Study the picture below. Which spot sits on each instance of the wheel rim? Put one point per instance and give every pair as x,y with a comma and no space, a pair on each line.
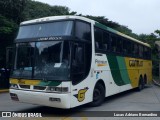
96,95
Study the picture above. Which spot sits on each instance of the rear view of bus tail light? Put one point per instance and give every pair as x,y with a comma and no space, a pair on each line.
14,96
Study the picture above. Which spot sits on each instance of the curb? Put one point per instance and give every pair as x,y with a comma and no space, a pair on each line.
4,90
156,83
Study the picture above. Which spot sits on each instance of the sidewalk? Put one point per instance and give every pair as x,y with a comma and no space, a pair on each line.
156,82
4,90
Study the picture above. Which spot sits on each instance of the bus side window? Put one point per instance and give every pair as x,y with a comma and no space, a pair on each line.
119,45
140,51
129,47
106,41
83,30
148,53
113,43
124,47
98,35
136,49
145,53
132,50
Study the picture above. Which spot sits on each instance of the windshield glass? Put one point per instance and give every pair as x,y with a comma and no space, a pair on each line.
43,60
24,59
59,28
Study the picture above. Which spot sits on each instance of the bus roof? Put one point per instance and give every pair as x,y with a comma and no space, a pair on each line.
51,18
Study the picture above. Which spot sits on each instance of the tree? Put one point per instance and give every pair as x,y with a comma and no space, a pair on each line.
8,29
13,9
36,9
157,32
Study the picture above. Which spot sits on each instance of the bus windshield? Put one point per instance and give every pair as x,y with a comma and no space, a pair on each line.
48,60
58,28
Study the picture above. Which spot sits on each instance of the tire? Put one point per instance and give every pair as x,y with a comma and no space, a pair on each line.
145,80
141,84
98,95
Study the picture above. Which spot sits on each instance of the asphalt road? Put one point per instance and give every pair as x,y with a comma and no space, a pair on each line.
146,100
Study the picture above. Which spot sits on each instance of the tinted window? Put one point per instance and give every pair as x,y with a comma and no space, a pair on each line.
140,51
106,41
145,52
149,53
46,29
113,43
119,45
83,30
98,33
129,47
136,49
125,46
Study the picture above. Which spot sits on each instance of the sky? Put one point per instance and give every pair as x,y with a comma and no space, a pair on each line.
141,16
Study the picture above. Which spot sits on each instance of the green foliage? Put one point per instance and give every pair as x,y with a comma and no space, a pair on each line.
150,39
8,29
12,9
7,26
157,32
36,9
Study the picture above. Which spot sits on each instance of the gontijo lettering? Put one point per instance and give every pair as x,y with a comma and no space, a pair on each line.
135,63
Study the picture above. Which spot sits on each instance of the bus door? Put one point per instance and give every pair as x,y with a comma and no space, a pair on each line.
78,72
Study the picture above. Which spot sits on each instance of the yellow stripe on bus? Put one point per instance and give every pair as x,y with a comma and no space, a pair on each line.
100,65
24,82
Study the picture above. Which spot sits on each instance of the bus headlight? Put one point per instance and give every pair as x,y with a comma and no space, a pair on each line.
14,86
57,89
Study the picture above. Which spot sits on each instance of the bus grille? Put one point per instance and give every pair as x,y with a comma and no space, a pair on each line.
25,86
39,87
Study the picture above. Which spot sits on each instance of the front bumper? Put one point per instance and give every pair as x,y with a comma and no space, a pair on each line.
42,98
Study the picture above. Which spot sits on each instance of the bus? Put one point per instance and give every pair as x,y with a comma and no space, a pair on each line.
68,61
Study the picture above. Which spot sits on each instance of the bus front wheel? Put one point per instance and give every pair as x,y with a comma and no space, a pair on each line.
98,95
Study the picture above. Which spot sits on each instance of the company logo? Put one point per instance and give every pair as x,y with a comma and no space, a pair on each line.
81,94
15,114
135,63
100,63
6,114
49,38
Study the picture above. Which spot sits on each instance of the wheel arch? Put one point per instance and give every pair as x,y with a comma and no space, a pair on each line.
100,81
140,77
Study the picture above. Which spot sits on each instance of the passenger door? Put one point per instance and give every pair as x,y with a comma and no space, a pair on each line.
78,70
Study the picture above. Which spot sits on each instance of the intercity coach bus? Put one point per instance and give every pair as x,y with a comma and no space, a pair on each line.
67,61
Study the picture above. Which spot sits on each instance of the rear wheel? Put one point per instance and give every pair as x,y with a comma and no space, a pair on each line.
141,84
98,95
145,80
